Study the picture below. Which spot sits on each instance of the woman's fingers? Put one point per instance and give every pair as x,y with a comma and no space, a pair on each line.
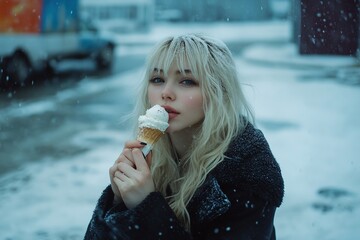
125,157
133,144
112,170
121,176
119,183
118,175
141,164
134,183
129,174
127,170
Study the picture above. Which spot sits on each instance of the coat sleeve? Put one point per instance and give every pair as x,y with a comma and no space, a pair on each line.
152,218
97,228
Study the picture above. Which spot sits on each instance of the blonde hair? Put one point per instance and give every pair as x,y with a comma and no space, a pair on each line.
226,115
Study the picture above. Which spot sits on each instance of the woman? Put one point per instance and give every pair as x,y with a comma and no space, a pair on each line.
212,176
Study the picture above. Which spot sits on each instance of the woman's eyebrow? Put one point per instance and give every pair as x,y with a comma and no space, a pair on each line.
158,70
186,71
178,72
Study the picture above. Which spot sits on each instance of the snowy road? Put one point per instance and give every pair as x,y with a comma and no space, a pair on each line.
34,118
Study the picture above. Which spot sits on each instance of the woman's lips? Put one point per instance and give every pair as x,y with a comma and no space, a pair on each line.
173,115
171,111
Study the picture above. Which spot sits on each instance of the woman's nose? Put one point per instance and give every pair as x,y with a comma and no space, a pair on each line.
168,93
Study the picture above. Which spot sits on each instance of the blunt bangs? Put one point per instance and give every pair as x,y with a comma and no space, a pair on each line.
184,52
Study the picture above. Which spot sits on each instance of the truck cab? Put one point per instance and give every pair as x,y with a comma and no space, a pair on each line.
35,35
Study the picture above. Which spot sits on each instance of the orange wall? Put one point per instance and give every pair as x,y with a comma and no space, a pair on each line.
20,16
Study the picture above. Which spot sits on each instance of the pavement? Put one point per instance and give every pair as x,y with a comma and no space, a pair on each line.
345,69
287,55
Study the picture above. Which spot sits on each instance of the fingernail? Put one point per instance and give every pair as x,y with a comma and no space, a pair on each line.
143,143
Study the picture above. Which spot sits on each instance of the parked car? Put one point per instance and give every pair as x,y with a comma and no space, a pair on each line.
36,35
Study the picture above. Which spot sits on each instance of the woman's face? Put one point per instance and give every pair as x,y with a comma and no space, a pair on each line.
180,94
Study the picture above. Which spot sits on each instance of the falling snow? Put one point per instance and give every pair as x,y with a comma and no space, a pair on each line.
315,107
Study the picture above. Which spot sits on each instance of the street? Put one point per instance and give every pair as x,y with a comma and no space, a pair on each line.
30,137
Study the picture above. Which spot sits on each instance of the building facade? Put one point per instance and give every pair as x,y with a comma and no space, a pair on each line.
213,10
120,15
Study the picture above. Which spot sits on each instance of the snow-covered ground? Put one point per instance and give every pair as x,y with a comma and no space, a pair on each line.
311,120
313,127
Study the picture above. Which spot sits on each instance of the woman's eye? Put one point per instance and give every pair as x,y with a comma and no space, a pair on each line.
188,82
156,80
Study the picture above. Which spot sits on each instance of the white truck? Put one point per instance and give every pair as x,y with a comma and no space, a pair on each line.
35,35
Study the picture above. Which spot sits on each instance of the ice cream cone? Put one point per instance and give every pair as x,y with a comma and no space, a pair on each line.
149,135
152,126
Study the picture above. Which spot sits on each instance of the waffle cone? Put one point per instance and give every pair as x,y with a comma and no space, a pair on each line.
149,135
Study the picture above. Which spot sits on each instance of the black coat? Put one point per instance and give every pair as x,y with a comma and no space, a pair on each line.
237,201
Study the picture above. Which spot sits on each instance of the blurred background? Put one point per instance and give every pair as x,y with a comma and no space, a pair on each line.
69,71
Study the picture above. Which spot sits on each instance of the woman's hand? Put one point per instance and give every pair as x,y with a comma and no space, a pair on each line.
125,157
134,183
131,179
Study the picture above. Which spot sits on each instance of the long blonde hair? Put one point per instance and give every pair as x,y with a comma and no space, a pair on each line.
226,115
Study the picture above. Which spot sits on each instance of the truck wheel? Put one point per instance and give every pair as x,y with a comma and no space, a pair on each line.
19,69
105,58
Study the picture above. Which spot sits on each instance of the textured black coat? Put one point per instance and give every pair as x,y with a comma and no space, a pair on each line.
237,201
